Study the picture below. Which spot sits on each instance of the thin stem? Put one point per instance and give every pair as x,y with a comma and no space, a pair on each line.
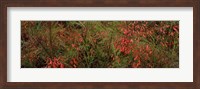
50,38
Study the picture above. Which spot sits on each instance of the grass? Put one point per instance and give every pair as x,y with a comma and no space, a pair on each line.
99,44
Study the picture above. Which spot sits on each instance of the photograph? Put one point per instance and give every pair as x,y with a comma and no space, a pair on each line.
99,44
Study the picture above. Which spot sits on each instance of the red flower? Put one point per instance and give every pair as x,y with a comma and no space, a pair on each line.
62,66
80,40
73,45
175,28
147,48
55,63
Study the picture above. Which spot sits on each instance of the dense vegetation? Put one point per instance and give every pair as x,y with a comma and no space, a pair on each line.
99,44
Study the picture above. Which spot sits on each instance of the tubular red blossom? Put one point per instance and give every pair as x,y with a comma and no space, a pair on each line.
54,63
175,28
136,58
74,60
136,65
73,45
50,63
147,48
131,41
62,66
125,32
80,39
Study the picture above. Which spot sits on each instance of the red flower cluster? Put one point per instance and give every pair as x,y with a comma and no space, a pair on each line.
136,62
55,63
125,45
74,63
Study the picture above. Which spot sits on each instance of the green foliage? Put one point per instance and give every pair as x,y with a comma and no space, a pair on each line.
100,44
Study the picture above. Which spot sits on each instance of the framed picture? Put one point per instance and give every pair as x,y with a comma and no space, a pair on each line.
133,44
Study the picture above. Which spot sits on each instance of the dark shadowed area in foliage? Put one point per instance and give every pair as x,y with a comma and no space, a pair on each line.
99,44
